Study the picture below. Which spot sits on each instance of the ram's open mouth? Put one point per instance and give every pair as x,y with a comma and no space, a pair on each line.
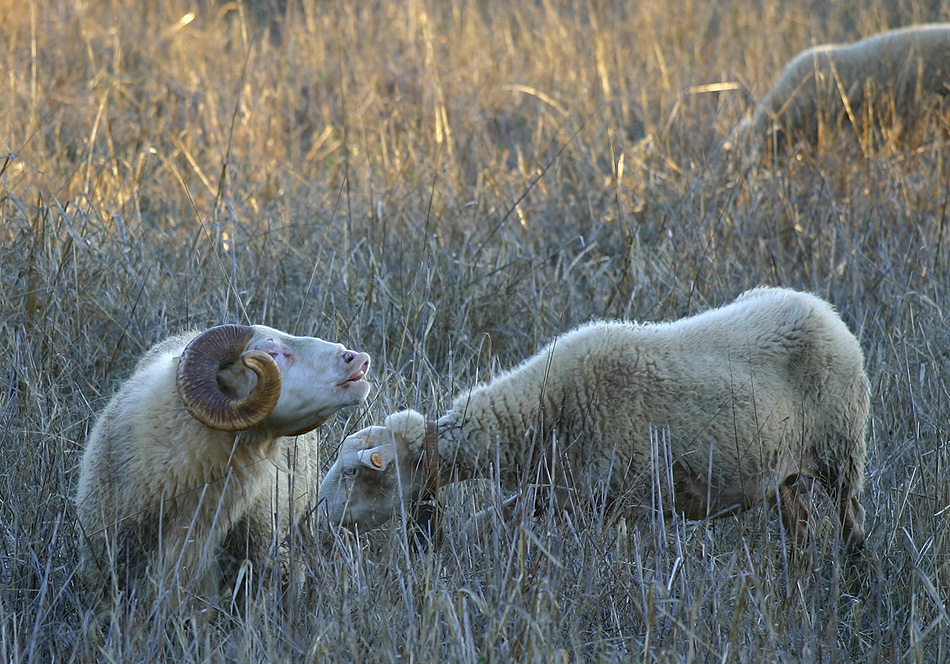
359,375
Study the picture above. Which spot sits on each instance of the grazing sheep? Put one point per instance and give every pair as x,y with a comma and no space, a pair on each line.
759,398
187,472
894,75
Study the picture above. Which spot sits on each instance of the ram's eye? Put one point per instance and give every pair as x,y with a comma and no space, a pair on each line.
349,471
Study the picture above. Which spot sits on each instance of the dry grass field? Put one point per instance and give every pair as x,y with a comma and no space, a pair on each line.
448,185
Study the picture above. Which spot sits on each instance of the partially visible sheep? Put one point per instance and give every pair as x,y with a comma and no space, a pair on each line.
187,471
759,398
894,75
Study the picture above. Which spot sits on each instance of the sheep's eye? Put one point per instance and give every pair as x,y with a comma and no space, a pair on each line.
349,471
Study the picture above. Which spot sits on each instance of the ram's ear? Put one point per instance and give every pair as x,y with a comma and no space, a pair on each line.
378,458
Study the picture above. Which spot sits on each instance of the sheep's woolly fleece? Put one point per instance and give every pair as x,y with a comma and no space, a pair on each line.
895,77
167,502
750,398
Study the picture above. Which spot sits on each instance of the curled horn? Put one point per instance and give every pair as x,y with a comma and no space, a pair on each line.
197,379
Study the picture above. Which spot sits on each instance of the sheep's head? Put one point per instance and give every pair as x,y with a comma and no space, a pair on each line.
235,377
376,469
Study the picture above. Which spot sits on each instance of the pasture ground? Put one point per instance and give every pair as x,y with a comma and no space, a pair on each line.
449,185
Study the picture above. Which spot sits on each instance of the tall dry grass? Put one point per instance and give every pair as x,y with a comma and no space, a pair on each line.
448,185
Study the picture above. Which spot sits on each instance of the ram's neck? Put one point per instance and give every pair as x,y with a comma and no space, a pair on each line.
490,425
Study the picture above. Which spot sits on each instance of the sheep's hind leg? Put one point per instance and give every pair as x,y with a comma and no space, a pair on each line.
850,510
852,523
796,517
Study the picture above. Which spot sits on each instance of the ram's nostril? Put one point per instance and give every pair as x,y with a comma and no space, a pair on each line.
348,356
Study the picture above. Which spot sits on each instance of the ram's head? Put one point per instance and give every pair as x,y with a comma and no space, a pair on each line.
235,377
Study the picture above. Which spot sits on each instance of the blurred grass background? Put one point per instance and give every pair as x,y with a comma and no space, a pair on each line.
447,186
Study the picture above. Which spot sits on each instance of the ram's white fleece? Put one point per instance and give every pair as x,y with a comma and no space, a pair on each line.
754,395
166,502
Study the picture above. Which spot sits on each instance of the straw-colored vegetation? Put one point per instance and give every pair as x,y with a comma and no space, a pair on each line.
448,185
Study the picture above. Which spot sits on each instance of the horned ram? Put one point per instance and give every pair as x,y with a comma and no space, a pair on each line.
200,464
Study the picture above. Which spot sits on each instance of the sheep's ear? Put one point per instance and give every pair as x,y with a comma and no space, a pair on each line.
377,458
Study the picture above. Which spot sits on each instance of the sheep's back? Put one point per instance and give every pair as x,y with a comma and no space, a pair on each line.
747,389
897,67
